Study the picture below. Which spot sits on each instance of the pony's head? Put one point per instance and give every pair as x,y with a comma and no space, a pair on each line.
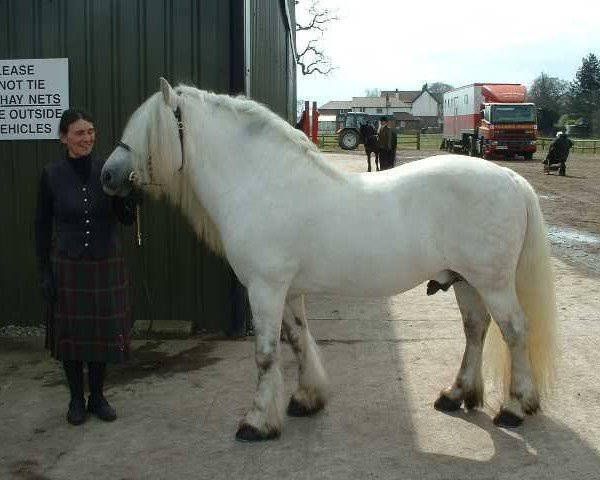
151,149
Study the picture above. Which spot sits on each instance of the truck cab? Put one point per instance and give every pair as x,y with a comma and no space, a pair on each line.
490,119
507,129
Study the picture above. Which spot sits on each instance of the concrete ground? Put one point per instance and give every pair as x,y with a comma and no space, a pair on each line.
180,401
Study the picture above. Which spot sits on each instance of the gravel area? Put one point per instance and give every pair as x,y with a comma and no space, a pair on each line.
22,331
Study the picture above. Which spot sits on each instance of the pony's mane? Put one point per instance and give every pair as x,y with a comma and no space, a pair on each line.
161,143
263,120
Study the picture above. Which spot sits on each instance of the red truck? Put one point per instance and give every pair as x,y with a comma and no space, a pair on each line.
490,119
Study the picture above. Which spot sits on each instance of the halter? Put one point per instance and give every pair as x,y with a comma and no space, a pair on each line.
180,127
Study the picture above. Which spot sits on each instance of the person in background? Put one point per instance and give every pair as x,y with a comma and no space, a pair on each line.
558,153
384,144
392,127
82,273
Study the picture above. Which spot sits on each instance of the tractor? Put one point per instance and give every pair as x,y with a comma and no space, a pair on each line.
348,125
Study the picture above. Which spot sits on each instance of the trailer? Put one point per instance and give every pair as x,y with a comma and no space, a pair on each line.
489,120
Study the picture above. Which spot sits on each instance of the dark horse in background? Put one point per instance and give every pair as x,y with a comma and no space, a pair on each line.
369,140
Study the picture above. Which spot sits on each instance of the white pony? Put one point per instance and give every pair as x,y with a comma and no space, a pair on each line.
258,192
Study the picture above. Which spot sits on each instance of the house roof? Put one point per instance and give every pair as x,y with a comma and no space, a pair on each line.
376,102
337,105
404,97
409,96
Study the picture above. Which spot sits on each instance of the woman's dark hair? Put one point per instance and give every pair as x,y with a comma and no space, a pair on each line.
70,116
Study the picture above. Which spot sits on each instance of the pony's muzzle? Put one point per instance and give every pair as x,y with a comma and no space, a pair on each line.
107,179
113,184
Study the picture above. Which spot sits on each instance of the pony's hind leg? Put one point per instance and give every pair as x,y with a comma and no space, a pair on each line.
468,386
523,396
263,421
313,385
377,161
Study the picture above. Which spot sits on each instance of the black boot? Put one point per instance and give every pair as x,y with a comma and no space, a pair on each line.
97,404
76,414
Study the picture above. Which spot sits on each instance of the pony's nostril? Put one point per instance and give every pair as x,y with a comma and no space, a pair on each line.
106,178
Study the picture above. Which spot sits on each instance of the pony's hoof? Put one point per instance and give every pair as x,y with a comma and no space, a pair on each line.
296,409
432,287
446,404
248,433
532,409
507,419
472,401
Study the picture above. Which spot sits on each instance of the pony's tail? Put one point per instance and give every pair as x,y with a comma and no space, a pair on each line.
536,294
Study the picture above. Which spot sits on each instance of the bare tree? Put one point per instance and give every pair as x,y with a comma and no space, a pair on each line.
310,28
439,88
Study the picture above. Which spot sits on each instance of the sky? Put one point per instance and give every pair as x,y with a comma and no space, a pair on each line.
389,44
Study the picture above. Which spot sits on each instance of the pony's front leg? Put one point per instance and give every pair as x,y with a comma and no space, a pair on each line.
377,161
369,162
313,384
263,421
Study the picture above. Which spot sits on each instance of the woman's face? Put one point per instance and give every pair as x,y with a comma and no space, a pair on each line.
79,138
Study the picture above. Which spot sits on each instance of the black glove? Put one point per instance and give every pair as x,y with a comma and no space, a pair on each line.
47,286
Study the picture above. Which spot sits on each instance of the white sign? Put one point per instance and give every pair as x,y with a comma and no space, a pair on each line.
33,95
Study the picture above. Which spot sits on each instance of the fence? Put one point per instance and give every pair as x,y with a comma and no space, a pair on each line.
406,141
432,141
581,146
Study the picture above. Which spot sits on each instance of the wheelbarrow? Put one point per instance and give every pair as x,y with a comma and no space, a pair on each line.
555,166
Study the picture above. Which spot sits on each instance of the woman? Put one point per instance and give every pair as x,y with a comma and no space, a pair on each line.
81,267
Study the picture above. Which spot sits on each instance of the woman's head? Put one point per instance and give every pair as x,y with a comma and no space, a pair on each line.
77,132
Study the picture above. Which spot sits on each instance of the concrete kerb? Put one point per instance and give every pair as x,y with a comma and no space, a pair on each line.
167,328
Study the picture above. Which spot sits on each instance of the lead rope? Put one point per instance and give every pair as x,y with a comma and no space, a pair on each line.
138,223
138,210
138,239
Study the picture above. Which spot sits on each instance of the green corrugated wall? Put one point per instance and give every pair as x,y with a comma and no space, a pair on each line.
117,49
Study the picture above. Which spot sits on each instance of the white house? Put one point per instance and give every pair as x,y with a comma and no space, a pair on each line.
423,107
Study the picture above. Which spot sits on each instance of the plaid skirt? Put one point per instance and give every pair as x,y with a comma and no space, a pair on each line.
91,318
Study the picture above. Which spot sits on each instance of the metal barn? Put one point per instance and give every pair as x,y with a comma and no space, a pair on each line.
116,50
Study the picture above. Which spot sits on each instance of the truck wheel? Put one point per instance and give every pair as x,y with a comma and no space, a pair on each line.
479,146
471,146
348,140
528,156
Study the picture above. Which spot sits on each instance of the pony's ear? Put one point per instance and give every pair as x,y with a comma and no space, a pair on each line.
169,95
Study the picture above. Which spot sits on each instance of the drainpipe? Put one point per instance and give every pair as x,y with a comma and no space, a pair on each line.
248,17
